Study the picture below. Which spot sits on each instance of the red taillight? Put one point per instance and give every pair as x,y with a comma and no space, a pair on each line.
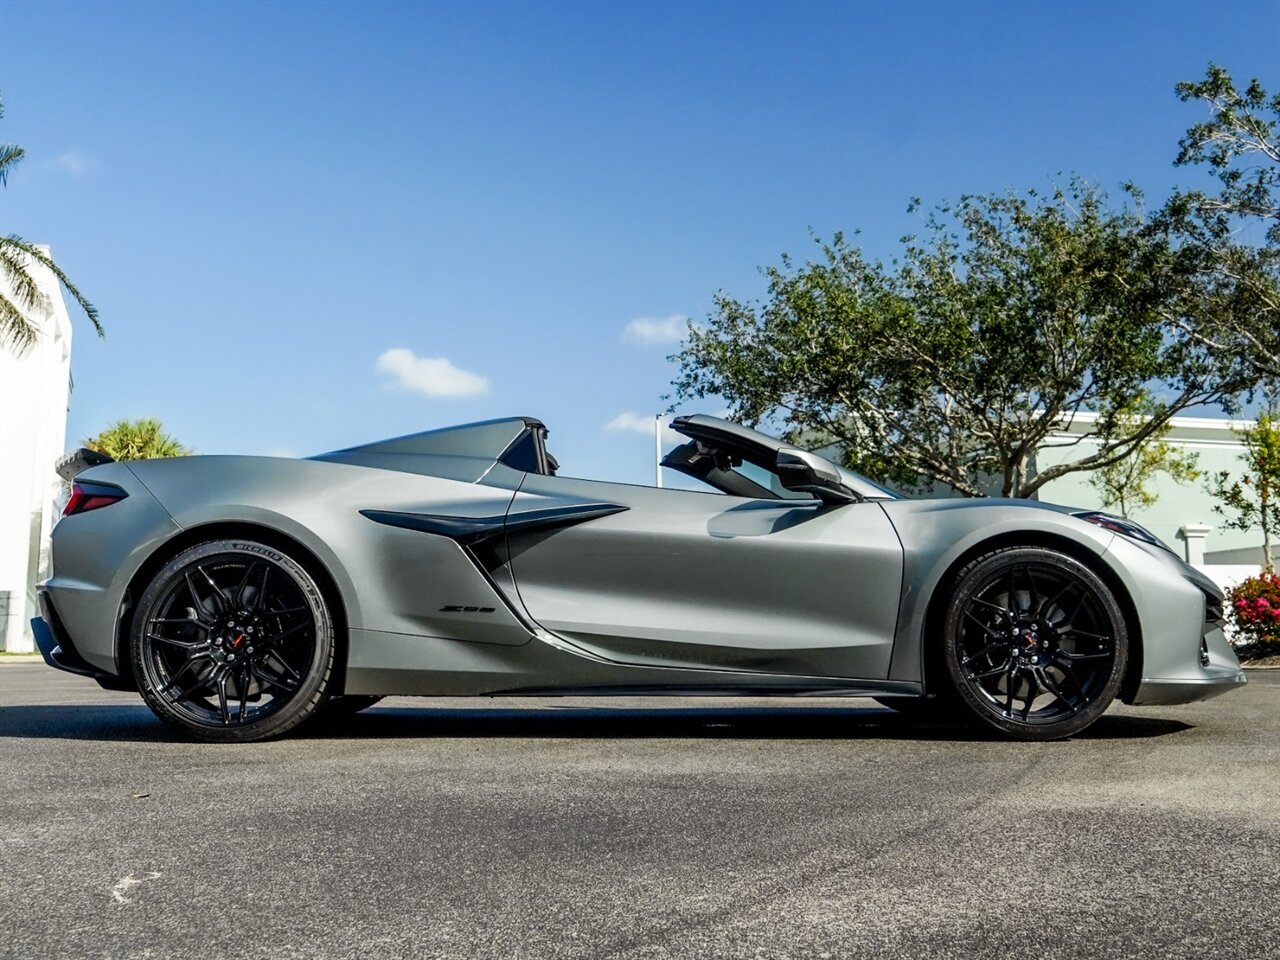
90,496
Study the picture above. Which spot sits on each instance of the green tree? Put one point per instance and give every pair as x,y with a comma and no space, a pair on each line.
1252,501
1124,484
141,439
1239,145
957,361
17,258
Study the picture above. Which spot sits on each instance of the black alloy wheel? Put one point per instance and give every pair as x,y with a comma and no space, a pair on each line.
1035,643
232,641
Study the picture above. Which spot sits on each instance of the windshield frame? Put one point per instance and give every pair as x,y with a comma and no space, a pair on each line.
755,447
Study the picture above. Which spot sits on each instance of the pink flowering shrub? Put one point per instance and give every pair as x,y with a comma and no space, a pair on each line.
1255,613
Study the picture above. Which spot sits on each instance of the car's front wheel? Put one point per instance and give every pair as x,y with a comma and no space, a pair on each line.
232,641
1035,643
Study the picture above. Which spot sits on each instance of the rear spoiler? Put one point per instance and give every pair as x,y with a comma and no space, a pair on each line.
74,464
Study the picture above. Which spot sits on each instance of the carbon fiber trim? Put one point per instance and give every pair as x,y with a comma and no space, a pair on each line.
472,530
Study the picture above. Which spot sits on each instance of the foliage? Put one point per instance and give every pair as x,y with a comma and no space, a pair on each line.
10,154
1252,501
1255,614
1240,146
141,439
1124,483
959,360
1016,312
17,331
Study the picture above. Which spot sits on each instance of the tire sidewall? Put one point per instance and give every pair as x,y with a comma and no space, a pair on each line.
315,682
973,577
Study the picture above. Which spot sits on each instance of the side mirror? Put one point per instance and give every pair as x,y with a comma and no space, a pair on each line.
809,473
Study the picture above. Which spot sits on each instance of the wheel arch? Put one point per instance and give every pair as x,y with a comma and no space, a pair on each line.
232,530
932,640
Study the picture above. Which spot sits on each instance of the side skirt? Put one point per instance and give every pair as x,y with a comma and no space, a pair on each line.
856,688
396,664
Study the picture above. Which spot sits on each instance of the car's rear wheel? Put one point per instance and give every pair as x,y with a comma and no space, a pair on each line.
232,641
1035,643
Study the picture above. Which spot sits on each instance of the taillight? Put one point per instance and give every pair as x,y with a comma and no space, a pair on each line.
86,496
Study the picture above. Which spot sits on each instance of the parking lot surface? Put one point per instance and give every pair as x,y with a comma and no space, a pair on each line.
630,828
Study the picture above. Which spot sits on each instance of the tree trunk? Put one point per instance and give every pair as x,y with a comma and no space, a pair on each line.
1015,479
1265,509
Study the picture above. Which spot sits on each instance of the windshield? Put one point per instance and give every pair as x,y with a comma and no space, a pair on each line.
867,488
768,480
740,461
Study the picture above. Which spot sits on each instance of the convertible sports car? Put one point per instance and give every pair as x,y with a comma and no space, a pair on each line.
242,595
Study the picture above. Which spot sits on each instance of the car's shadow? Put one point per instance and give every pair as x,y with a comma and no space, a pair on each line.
126,722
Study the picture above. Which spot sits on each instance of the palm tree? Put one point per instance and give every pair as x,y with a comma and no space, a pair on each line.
17,257
141,439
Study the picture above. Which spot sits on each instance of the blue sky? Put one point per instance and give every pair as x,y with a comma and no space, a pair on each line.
311,225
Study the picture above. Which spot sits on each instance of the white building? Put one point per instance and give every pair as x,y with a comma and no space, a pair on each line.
35,389
1184,515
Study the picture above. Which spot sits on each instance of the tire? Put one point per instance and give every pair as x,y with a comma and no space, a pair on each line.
232,641
347,704
1035,643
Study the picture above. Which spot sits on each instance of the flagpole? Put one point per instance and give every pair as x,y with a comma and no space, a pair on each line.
657,449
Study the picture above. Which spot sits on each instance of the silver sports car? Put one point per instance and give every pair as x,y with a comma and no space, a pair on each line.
243,595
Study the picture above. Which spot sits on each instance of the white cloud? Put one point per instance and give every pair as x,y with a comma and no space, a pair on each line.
75,162
653,330
631,422
434,376
637,422
287,453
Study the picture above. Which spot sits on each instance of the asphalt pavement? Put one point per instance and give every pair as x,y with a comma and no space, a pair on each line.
636,828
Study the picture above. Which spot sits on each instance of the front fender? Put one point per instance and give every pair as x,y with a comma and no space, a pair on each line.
936,534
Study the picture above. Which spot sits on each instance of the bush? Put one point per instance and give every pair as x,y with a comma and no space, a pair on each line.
1255,614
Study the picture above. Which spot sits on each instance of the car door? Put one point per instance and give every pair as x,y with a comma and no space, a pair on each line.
708,580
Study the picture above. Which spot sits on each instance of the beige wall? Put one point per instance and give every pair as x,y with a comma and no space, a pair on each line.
1179,505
